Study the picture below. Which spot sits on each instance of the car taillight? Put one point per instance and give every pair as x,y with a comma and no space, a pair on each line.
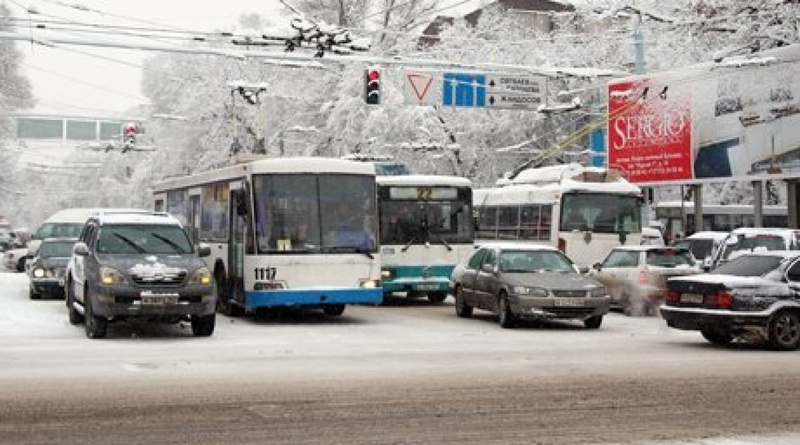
720,299
642,277
673,296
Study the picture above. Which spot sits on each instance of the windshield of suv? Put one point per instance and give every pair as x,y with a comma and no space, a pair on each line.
749,265
143,239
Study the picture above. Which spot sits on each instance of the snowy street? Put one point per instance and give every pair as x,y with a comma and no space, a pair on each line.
391,374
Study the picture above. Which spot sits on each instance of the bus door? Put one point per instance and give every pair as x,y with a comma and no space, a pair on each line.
193,215
236,245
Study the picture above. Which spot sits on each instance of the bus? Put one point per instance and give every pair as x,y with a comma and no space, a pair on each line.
584,211
284,232
716,217
426,228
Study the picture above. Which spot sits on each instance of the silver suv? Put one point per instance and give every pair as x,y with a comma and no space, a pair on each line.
138,266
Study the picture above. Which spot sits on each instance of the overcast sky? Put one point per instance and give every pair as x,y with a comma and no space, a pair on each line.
88,80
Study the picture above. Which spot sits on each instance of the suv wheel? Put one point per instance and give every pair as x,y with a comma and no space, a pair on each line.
95,326
224,303
203,325
75,317
784,331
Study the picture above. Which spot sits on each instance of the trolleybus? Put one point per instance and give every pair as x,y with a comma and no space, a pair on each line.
426,228
716,217
584,211
298,232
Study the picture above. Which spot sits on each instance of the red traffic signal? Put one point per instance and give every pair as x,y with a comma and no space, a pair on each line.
373,87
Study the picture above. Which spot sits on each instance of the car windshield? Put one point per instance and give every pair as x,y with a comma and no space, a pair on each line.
700,247
55,249
669,258
755,243
535,261
143,238
750,265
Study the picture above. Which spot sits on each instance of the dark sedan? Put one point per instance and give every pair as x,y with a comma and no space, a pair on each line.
47,268
755,297
531,282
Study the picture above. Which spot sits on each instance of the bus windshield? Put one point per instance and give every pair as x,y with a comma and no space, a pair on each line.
600,213
418,222
328,213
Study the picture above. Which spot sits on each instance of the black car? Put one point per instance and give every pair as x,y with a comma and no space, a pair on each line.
138,266
527,282
47,269
755,296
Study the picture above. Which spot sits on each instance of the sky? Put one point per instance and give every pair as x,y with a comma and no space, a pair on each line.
92,81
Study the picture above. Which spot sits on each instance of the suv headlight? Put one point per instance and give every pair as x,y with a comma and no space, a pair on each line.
109,276
530,291
201,276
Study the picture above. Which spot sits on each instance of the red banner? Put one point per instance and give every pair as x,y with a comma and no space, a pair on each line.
649,131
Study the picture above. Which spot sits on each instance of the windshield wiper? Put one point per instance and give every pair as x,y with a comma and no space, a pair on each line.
410,242
444,241
128,241
169,242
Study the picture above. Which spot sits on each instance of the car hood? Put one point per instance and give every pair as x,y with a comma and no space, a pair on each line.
551,280
145,265
50,262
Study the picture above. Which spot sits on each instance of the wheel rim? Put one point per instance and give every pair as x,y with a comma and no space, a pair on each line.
787,329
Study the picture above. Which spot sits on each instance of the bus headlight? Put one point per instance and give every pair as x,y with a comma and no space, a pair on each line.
109,276
530,291
201,276
368,284
386,274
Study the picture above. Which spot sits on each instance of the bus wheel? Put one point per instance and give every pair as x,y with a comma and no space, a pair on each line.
333,310
437,297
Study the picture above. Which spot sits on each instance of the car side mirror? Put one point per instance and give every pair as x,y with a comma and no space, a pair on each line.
583,269
597,266
80,248
203,249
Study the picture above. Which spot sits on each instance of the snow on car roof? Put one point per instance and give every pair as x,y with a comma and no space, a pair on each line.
708,234
508,245
138,218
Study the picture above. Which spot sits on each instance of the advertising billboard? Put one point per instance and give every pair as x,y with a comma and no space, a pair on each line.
731,119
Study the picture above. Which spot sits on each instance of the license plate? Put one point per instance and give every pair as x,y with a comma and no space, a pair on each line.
159,299
692,298
428,287
569,302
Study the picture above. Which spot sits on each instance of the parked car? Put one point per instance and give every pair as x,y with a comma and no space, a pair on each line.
138,266
755,296
15,259
750,239
703,245
652,236
635,276
47,269
530,282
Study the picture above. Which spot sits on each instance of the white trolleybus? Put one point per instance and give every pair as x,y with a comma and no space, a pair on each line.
426,228
584,211
299,232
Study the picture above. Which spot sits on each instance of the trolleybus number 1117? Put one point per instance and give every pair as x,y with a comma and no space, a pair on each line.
266,273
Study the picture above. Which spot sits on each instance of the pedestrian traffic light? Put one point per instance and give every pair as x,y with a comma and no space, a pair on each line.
373,87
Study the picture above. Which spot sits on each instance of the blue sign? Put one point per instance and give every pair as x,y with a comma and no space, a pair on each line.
464,90
598,148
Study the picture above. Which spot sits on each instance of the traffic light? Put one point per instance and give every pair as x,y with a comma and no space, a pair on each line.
373,87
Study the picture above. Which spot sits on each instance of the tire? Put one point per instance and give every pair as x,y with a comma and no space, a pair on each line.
75,317
784,331
593,322
437,297
463,310
203,325
21,265
333,310
96,327
717,336
504,314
